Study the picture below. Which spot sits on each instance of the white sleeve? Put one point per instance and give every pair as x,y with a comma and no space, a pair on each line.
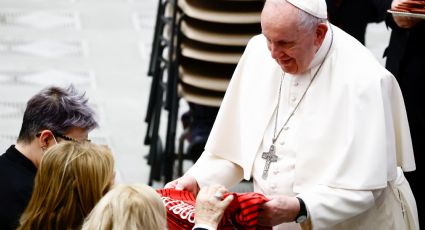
203,226
210,169
329,206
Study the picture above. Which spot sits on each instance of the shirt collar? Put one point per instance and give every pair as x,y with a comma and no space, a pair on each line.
15,156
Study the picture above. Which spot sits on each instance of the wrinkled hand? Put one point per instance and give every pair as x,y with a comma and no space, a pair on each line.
279,209
185,182
209,209
403,21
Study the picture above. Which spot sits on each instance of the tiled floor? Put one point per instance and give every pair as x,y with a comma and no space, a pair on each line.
102,47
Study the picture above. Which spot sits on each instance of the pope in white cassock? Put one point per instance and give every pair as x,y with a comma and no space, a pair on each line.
319,125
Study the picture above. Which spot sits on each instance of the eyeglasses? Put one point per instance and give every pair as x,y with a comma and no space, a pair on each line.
69,138
56,134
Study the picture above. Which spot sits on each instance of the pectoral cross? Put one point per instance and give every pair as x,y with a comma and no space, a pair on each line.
270,157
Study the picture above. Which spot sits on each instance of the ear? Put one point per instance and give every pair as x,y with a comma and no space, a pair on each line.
44,138
321,31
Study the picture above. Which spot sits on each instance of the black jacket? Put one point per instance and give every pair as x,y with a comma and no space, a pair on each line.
17,175
406,61
352,16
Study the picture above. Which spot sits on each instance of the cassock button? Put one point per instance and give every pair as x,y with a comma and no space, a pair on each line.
273,186
286,128
293,98
282,143
296,84
275,172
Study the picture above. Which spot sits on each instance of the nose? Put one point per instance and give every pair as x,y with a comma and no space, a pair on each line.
275,51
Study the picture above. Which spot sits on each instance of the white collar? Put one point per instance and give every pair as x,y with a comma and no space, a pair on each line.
323,50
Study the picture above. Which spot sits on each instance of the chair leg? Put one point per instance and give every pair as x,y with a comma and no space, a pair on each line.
159,26
155,151
180,153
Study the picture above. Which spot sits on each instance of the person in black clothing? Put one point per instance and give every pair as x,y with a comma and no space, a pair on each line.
199,120
51,116
406,60
352,16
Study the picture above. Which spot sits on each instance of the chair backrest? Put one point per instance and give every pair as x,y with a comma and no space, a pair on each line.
214,33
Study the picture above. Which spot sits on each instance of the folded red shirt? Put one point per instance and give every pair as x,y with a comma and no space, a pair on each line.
242,212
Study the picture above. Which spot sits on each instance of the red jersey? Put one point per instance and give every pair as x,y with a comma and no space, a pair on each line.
242,212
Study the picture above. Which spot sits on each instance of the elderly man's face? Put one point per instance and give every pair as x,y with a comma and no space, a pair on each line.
292,48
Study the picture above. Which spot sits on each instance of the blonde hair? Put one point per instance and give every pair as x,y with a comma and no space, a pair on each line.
134,206
71,179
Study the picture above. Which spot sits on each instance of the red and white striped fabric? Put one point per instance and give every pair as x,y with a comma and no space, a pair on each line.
242,213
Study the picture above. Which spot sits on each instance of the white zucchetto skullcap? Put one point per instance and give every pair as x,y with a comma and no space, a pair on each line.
316,8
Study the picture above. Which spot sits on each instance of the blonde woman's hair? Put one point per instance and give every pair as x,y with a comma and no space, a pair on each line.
135,206
71,179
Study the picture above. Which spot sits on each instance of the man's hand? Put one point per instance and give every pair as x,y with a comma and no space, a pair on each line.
185,182
403,21
210,205
279,209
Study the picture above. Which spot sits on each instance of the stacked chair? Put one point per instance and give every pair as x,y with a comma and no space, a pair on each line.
160,69
198,44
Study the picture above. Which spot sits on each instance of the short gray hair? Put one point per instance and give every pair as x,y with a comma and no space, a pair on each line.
308,21
56,109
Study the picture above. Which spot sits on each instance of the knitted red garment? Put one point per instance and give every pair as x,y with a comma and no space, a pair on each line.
242,213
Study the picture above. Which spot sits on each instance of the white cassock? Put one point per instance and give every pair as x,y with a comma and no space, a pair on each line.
343,150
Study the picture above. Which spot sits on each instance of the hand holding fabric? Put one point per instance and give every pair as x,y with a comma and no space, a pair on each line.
210,205
242,212
185,182
279,209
